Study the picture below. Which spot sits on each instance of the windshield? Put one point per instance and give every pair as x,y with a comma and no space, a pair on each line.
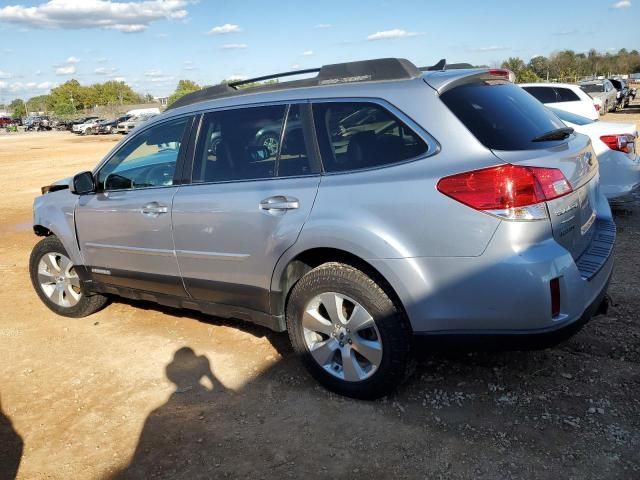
571,117
592,88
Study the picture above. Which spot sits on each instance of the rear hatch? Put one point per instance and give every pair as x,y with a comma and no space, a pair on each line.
521,131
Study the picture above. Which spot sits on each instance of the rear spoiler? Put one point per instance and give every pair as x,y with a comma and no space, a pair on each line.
441,81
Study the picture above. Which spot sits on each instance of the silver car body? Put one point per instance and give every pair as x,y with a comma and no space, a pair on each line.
454,269
605,92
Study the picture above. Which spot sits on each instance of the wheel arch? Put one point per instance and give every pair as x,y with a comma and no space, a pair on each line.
293,269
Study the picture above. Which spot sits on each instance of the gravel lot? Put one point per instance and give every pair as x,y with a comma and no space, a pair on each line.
147,392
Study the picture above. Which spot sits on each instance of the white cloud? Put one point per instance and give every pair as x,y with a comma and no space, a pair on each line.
120,79
19,87
101,60
391,34
128,17
307,53
158,76
5,74
236,78
66,70
105,71
226,28
323,25
234,46
492,48
622,4
73,60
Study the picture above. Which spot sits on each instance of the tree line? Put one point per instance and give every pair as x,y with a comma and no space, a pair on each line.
569,66
561,66
71,97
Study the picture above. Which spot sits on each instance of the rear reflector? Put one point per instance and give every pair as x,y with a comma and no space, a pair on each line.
622,143
554,287
507,190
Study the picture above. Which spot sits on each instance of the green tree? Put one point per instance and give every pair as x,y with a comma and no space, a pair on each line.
17,108
184,87
515,64
527,76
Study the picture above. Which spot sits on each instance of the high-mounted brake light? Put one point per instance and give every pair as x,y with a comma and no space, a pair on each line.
509,191
622,143
503,73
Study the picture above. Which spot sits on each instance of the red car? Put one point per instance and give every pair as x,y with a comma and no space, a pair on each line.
4,121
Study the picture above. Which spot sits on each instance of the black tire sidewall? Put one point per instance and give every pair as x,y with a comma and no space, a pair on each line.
389,319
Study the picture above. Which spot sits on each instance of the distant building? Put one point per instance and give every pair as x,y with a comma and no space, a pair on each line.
162,100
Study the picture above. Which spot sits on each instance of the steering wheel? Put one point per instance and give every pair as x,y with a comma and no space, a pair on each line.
160,175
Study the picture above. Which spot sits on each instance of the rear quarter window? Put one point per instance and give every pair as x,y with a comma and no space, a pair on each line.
501,115
566,95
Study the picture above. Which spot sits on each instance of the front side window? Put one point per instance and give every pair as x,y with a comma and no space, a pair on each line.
147,160
357,135
252,143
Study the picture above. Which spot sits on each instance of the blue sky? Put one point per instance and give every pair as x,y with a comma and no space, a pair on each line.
152,44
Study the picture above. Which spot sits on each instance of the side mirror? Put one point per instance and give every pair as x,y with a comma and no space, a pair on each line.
83,183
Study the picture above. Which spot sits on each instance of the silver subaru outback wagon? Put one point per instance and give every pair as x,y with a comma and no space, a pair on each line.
354,209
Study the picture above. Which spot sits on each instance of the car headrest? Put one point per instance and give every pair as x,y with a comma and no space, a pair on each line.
361,149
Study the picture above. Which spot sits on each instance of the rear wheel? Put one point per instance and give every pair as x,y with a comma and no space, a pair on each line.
57,283
351,336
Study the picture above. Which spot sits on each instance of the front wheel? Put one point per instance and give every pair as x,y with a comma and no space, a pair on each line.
351,336
57,283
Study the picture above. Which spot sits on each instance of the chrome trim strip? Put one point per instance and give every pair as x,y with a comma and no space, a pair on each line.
212,255
137,250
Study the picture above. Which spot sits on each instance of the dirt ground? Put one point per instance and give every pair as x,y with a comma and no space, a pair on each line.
139,391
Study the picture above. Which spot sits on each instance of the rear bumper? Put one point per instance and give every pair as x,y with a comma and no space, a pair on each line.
506,290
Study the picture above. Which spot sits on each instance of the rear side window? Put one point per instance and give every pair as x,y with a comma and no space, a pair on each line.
501,115
357,135
251,143
542,94
566,95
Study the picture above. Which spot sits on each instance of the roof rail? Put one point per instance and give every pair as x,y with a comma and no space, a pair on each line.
362,71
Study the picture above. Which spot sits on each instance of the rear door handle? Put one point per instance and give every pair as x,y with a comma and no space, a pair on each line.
279,202
153,209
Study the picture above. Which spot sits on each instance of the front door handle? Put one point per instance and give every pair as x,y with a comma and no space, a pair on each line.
279,202
153,209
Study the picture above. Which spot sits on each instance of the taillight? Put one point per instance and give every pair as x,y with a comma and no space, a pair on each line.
509,191
622,143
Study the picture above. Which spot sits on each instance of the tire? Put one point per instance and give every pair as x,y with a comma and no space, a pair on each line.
388,328
80,304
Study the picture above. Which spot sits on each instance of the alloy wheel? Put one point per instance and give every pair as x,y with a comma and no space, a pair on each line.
58,279
342,337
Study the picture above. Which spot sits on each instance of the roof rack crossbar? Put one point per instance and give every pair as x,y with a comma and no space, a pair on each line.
381,69
271,77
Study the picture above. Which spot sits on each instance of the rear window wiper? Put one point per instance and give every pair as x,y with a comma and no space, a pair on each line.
557,134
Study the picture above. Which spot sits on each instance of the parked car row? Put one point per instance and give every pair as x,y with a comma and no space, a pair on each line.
393,201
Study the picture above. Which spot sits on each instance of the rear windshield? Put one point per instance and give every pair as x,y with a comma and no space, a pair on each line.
592,88
502,115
